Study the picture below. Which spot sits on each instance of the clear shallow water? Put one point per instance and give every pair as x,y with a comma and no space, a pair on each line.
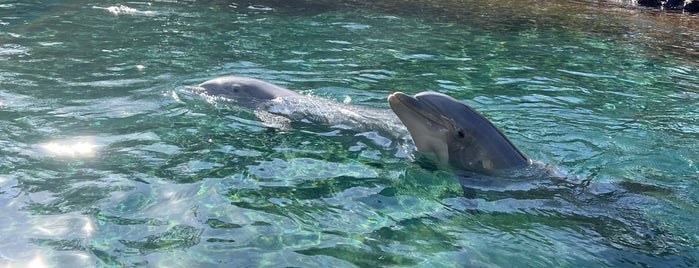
106,162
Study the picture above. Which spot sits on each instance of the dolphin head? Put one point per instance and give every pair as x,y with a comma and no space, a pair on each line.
244,90
454,134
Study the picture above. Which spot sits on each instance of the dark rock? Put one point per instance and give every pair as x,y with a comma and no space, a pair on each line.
674,4
650,3
692,7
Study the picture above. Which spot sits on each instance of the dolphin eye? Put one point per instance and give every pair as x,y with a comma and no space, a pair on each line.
460,133
236,88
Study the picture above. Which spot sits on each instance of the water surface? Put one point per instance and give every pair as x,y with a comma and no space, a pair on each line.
106,162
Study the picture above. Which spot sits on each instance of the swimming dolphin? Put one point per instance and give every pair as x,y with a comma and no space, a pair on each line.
454,134
276,107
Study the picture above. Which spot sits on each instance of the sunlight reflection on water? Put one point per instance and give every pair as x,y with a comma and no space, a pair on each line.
71,149
37,262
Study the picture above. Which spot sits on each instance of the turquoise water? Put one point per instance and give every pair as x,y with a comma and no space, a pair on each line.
106,162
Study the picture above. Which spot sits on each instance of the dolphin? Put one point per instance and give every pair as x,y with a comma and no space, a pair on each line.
460,139
455,135
277,107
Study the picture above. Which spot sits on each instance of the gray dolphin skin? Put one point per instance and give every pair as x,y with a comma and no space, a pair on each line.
277,107
454,134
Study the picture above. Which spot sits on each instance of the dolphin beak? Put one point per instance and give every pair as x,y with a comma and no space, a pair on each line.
402,103
401,98
408,107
